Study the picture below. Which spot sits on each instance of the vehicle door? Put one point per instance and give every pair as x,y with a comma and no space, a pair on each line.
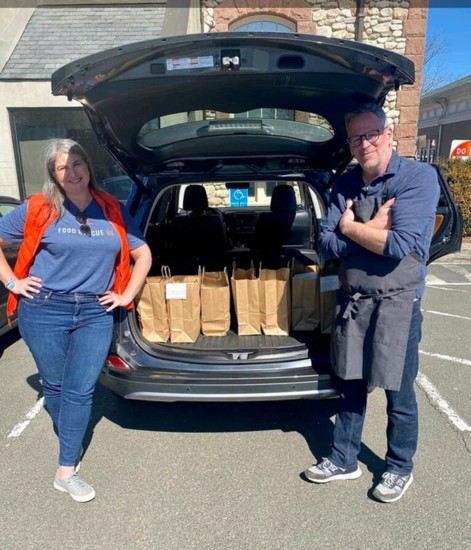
10,251
448,231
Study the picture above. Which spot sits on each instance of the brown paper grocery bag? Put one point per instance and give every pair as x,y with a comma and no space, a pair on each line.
215,303
274,301
182,293
305,297
245,292
152,310
328,286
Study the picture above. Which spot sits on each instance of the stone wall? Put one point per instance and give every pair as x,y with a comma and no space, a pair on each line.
395,25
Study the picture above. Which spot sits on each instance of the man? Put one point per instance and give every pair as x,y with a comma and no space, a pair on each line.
379,225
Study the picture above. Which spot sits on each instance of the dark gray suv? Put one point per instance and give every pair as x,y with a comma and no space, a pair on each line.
242,115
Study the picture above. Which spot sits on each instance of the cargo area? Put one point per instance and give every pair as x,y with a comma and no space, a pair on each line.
199,238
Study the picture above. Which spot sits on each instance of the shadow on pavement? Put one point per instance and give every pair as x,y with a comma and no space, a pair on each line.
313,419
8,339
35,382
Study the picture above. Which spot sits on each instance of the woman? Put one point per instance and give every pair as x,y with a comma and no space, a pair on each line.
73,270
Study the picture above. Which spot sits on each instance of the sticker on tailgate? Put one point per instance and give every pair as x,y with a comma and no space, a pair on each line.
200,62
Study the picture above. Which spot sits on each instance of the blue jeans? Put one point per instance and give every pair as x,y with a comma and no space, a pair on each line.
403,426
69,337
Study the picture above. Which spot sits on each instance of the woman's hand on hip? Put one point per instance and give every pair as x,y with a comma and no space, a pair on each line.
112,300
27,287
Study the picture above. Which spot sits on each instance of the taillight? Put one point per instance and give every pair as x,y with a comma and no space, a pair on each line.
116,363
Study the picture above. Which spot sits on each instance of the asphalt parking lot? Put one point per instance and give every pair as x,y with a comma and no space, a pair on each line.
207,476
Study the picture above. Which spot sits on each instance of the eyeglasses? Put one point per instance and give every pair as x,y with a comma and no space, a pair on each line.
372,137
83,221
67,168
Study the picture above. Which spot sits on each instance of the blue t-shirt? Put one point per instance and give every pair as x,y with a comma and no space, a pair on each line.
69,261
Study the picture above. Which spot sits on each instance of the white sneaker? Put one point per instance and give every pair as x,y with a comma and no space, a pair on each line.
77,489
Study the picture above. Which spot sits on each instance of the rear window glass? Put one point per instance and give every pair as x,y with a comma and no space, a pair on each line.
119,186
5,208
271,121
257,195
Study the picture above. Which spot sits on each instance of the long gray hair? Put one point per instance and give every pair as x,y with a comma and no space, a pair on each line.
51,189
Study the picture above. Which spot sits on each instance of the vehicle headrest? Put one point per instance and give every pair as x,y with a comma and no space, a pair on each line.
283,199
195,198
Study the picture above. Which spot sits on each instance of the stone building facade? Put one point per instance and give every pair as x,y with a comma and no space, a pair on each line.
395,25
33,44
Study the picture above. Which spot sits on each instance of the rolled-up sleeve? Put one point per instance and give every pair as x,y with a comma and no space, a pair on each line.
413,213
332,244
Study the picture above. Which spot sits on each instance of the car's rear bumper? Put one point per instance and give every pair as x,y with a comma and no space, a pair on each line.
171,389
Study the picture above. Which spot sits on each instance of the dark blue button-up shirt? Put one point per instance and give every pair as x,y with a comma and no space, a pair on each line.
415,187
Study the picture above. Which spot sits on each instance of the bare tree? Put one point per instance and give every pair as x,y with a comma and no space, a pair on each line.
434,72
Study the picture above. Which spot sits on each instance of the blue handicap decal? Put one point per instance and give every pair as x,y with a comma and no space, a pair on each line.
239,197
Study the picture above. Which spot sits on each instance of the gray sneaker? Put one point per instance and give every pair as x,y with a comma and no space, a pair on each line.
77,489
326,471
392,487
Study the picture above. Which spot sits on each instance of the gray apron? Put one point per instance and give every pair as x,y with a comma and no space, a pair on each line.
373,316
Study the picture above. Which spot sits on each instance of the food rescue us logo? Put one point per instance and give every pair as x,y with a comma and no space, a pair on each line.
460,149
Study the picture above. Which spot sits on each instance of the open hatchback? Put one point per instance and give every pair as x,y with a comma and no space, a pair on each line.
241,116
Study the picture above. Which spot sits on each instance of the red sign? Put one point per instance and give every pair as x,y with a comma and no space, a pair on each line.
460,149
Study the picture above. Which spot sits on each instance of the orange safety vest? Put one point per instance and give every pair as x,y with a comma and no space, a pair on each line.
39,216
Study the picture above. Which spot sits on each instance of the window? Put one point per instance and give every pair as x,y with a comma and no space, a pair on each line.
258,194
179,127
426,149
152,126
32,127
263,23
6,207
279,114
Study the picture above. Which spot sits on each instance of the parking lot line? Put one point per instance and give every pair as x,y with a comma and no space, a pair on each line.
432,393
28,417
446,314
439,282
447,358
